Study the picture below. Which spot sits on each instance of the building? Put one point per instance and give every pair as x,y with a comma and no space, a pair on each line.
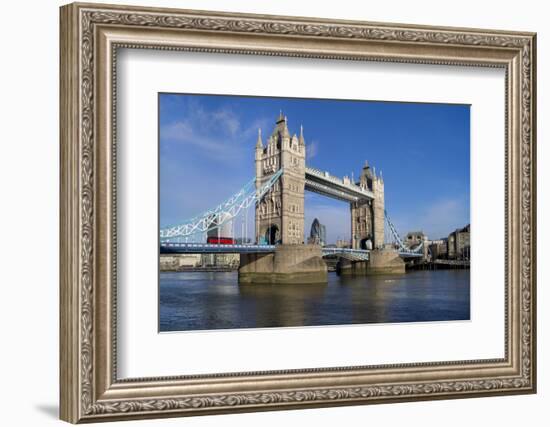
182,262
179,261
367,217
438,248
414,238
458,243
318,233
280,215
221,260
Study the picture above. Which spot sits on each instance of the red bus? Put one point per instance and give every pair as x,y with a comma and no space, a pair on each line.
220,240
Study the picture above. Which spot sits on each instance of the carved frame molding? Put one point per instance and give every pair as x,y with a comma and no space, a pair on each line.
90,36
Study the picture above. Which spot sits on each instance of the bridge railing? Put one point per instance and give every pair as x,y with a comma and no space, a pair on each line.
344,250
190,248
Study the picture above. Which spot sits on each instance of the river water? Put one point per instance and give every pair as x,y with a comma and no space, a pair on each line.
215,300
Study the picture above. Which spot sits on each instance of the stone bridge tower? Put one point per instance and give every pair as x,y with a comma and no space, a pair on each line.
280,215
367,217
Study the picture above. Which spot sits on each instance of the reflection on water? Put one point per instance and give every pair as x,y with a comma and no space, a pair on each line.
212,300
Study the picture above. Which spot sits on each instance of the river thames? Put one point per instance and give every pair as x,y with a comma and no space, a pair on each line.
215,300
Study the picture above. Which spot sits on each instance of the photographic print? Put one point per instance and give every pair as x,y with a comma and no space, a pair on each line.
278,212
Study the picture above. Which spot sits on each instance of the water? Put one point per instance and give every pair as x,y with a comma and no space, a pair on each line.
206,300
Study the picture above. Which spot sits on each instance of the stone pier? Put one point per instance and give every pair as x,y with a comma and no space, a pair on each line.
381,261
289,264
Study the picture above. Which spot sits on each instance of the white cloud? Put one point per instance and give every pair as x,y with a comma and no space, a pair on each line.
312,149
224,138
227,120
219,133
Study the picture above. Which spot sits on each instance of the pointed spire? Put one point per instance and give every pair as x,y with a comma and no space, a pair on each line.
294,140
286,133
302,140
281,129
259,141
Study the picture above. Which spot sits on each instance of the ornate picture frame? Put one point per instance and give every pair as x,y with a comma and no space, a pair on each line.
90,37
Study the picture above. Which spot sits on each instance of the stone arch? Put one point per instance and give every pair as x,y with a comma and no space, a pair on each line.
366,243
272,234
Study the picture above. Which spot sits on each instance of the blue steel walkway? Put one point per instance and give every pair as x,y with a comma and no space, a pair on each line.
209,248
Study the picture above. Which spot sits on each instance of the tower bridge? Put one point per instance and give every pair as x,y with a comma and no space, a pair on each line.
280,215
277,193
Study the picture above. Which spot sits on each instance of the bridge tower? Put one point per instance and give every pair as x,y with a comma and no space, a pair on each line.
367,216
379,209
280,215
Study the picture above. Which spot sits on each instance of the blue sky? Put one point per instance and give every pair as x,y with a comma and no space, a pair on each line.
207,153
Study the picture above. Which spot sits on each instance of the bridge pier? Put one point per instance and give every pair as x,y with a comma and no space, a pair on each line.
289,264
381,261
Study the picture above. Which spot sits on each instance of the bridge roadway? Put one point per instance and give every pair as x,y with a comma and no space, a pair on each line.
209,248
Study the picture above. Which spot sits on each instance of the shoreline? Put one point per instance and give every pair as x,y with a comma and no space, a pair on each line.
199,269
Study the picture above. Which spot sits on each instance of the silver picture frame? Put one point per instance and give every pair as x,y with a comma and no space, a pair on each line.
90,37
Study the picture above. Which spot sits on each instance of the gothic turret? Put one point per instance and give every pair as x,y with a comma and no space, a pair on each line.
280,215
281,129
259,144
366,176
294,141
